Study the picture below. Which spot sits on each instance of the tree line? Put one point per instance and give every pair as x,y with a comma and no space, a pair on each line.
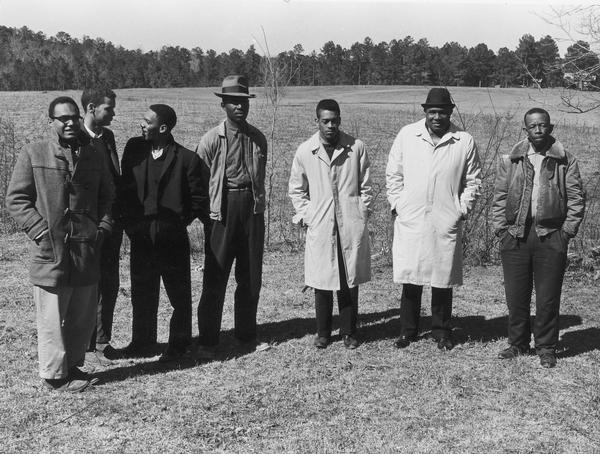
32,61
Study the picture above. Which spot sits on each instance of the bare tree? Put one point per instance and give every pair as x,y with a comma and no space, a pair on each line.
579,26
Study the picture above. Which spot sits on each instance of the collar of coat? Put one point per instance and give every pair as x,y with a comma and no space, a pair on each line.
344,141
250,130
519,151
452,132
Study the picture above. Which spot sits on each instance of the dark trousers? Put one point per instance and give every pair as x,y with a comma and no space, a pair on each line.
529,261
168,256
347,303
240,236
410,310
108,288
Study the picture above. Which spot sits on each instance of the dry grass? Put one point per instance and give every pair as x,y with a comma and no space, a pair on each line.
294,398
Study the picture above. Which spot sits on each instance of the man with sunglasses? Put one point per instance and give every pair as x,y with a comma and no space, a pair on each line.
60,195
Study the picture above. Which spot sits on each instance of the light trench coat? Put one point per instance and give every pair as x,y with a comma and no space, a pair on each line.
432,189
324,192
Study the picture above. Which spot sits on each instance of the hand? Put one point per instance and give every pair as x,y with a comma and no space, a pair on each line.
100,236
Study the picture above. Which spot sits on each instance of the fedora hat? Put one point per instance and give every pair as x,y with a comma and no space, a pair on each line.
236,86
438,97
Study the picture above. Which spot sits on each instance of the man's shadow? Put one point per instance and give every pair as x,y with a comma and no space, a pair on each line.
375,326
274,333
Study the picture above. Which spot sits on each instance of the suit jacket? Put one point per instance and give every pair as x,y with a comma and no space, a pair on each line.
181,196
106,144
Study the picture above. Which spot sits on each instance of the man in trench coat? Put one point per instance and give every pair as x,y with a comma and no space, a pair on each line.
433,178
331,191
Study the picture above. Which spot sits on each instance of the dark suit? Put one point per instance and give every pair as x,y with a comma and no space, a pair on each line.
156,211
108,286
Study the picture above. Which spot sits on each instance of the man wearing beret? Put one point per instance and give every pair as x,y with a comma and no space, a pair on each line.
234,156
433,178
161,194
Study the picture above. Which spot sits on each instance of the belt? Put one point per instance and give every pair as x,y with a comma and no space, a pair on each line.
248,189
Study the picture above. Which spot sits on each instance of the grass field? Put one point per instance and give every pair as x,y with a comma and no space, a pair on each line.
293,398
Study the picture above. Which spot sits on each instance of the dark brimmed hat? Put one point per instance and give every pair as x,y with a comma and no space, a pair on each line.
438,97
236,86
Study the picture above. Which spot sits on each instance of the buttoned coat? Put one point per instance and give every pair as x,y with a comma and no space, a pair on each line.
324,192
180,191
68,201
432,189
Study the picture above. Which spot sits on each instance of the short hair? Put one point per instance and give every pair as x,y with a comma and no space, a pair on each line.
96,95
536,110
328,104
61,100
165,114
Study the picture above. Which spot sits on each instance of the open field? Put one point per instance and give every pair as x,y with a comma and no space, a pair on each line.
293,398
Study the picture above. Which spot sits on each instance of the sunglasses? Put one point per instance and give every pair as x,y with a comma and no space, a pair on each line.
64,119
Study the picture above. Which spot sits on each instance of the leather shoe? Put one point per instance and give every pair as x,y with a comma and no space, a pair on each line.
513,351
548,360
350,342
405,341
321,341
75,373
445,343
66,385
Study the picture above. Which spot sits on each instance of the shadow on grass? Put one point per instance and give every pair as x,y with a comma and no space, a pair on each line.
376,326
579,342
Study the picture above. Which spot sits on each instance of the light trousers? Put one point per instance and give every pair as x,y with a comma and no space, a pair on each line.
66,317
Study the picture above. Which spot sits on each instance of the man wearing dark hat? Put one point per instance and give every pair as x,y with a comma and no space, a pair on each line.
234,156
433,179
331,189
161,194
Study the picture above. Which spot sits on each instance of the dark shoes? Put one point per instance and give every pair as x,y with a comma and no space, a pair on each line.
405,341
513,351
251,345
445,343
350,342
321,341
172,354
138,350
548,360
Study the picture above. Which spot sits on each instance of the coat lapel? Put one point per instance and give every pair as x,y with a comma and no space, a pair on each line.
169,160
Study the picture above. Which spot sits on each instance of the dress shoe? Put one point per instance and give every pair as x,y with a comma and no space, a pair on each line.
548,360
321,341
134,350
172,354
75,373
205,353
513,351
405,341
350,342
66,385
252,345
445,343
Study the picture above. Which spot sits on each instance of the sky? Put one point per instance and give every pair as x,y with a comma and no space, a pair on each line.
225,24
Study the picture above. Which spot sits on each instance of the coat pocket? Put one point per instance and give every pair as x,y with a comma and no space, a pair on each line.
83,248
43,250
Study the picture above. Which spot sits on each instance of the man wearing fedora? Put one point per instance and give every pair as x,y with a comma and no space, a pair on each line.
433,178
234,156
